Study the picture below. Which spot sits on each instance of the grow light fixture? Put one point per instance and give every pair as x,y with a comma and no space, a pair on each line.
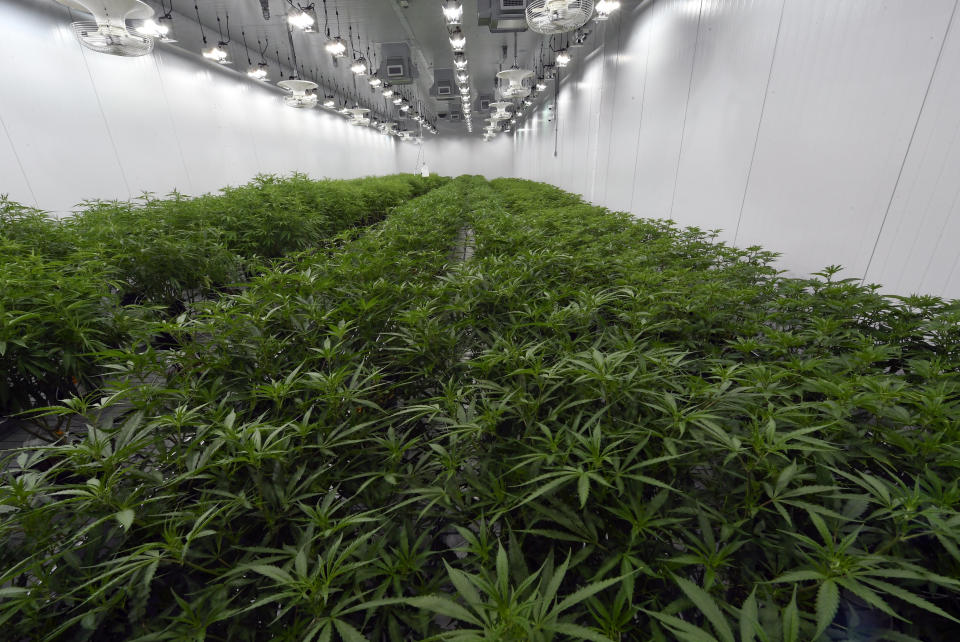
398,100
359,66
515,83
387,91
463,77
357,112
453,12
563,58
460,60
541,86
501,112
329,102
375,82
301,93
217,54
336,47
154,29
458,40
259,72
605,8
301,20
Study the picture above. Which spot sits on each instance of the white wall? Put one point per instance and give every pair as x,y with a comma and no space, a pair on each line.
828,130
78,125
453,156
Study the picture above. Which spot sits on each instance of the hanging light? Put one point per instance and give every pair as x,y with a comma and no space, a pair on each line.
154,29
460,60
465,90
375,82
605,8
457,39
218,54
259,72
359,66
301,93
387,91
541,86
329,102
301,20
404,105
453,12
462,77
563,58
527,102
336,47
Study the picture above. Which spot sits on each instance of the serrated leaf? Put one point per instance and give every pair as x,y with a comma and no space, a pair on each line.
708,606
828,600
464,586
749,617
125,517
577,632
443,606
791,619
911,598
348,633
273,572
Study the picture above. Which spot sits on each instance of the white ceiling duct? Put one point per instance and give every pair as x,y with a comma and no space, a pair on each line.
301,93
558,16
107,32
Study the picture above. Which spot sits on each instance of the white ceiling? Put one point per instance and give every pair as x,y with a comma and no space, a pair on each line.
420,25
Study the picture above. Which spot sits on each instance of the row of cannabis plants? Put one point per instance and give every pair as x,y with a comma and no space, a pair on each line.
594,428
66,285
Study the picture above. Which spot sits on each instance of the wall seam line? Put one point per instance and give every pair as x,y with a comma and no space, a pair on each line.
913,133
643,100
173,124
16,155
106,123
613,106
596,154
686,109
763,110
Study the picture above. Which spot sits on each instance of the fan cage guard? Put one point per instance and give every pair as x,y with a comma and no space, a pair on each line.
558,16
111,39
299,102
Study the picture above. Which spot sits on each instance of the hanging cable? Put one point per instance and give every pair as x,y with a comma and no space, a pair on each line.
263,49
220,31
243,34
203,34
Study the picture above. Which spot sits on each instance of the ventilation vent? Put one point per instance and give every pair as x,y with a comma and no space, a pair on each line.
444,87
397,66
502,15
